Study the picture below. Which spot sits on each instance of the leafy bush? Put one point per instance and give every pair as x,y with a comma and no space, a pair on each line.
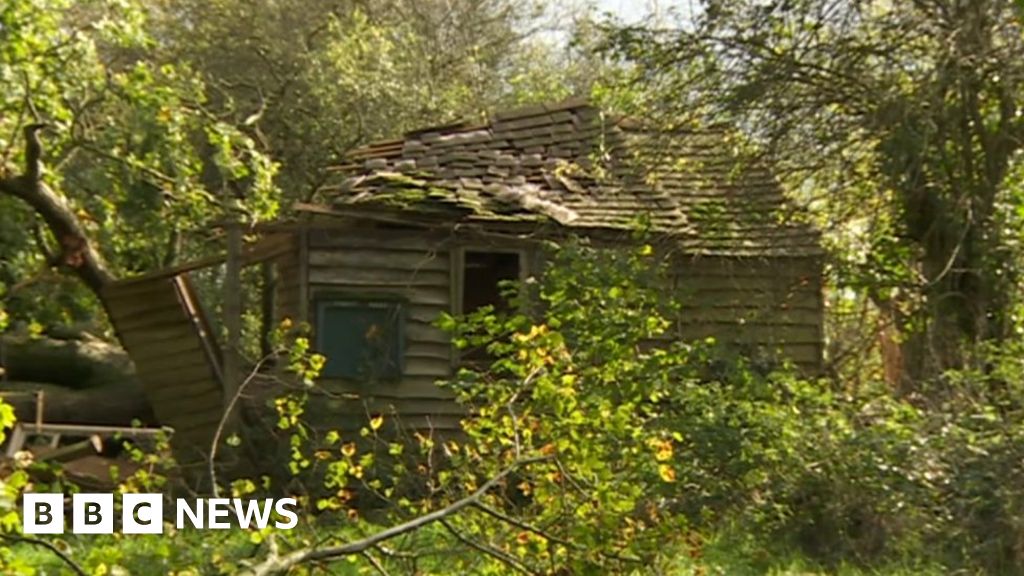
684,443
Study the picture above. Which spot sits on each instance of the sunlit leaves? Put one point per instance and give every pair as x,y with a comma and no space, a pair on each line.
880,117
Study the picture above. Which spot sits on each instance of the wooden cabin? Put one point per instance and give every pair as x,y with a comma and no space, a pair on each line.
433,221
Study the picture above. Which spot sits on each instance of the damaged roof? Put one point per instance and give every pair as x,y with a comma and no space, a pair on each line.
571,164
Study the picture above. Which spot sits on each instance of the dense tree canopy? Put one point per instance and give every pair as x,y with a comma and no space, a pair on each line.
314,79
899,124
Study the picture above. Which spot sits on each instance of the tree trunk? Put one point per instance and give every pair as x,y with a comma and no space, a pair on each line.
76,252
83,381
73,364
118,404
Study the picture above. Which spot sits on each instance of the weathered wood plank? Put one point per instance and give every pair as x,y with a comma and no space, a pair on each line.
751,315
411,388
201,418
419,331
159,334
164,318
184,390
755,284
749,299
181,373
428,349
363,278
138,290
377,240
138,311
361,258
163,360
750,334
427,314
803,353
185,403
746,266
429,296
388,407
427,367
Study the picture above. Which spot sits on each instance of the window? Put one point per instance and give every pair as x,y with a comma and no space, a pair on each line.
361,339
483,276
483,281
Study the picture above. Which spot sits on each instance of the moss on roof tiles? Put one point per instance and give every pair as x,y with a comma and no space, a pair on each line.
569,163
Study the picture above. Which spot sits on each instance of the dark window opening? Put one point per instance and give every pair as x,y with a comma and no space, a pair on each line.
484,277
362,340
484,283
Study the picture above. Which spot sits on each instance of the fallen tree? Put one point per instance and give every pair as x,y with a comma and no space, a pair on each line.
78,363
84,380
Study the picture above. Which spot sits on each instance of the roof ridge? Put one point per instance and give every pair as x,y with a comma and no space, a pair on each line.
464,125
527,111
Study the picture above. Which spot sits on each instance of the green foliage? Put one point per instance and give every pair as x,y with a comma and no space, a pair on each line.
130,145
667,444
310,80
902,104
637,454
647,437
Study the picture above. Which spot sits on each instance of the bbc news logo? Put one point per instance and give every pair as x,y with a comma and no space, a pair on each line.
144,513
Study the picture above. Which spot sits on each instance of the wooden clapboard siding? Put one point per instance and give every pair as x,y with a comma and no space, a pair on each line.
160,325
288,281
414,266
769,304
352,413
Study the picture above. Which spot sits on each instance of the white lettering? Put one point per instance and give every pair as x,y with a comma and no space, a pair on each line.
252,512
281,508
142,513
217,508
92,513
184,509
42,513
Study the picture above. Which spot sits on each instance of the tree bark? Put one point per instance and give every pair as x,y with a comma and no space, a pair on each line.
75,250
72,364
83,381
119,404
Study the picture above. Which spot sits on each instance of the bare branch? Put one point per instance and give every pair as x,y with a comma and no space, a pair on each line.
44,544
222,424
521,525
488,550
375,563
275,564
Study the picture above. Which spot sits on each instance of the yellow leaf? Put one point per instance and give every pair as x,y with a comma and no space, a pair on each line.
376,422
667,473
662,450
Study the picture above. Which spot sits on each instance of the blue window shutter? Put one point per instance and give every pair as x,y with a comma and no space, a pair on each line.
362,340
